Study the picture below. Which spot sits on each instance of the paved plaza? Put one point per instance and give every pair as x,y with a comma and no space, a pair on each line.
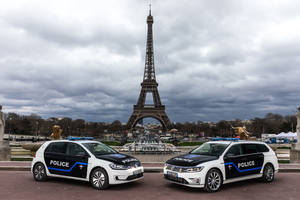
20,185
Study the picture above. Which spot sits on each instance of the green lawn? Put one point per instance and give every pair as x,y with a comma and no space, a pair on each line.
284,148
111,143
283,161
182,144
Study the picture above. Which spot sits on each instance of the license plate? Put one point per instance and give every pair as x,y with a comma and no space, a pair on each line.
137,172
172,174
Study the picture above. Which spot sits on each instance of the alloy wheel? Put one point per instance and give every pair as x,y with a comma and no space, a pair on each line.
98,179
39,172
269,173
214,181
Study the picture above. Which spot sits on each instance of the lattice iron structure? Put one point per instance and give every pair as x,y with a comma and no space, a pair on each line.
149,85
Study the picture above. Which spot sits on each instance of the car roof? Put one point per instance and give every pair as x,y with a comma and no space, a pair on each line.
238,142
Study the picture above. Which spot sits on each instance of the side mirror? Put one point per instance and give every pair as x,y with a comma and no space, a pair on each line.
229,155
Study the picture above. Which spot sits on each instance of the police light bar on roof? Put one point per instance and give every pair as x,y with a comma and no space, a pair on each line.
80,138
224,139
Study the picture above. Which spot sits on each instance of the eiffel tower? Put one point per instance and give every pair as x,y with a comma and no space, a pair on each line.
149,85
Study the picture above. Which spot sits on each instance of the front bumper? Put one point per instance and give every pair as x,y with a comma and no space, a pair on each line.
125,176
196,179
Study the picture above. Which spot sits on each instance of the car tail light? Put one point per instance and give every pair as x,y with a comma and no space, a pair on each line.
34,154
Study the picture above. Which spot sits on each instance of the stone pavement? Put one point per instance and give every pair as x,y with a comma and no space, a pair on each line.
149,167
17,185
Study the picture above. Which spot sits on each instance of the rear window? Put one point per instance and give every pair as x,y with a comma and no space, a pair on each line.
56,147
249,148
262,148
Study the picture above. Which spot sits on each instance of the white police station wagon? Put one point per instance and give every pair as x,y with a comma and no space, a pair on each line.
219,162
87,160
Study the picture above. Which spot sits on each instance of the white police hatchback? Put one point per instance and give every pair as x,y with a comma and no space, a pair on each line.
87,160
219,162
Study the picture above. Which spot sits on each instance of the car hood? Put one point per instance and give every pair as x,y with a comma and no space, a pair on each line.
120,159
190,160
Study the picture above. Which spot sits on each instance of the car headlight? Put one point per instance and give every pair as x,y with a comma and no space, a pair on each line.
192,169
168,166
118,167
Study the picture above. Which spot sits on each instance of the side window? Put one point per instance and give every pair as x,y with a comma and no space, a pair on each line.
262,148
235,150
56,147
75,149
249,148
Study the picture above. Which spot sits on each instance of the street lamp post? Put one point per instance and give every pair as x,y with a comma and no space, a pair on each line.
37,129
9,128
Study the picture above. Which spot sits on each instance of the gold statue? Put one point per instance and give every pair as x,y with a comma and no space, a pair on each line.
242,132
57,131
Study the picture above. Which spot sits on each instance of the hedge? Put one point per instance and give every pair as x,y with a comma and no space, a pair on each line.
189,144
112,143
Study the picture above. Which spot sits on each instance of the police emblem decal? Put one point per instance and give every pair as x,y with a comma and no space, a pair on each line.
80,166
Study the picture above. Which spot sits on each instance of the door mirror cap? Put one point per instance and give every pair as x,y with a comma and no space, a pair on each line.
229,155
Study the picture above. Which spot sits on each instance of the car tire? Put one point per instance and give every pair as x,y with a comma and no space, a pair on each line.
39,172
213,181
268,173
99,179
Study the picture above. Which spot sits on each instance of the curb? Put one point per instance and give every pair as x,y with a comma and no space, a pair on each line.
14,168
146,169
289,170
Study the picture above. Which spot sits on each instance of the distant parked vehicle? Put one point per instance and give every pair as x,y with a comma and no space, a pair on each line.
166,138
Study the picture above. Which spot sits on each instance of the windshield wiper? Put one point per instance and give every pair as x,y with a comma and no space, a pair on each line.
201,154
102,153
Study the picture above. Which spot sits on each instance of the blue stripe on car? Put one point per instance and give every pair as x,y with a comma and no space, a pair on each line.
67,170
243,170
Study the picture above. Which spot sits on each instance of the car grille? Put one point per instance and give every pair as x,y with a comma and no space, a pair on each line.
174,168
176,179
134,176
134,164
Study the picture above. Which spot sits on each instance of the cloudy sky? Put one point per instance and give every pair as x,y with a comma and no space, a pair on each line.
214,59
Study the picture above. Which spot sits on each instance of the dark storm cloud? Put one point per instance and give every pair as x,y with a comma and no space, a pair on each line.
214,59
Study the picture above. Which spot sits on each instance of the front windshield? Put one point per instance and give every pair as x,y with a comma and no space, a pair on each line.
99,148
210,149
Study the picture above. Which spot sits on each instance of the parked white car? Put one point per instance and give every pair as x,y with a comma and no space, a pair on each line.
219,162
86,160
